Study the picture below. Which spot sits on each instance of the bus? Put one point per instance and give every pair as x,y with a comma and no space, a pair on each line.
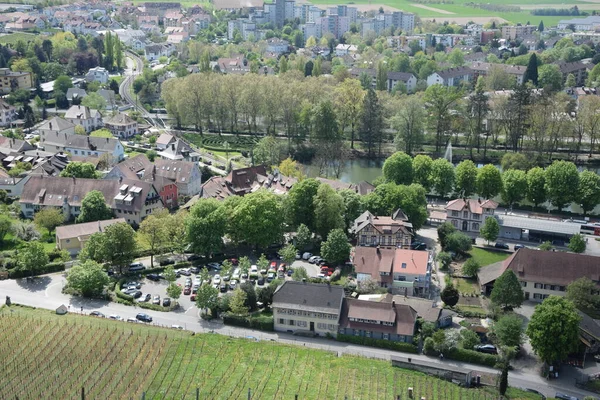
590,229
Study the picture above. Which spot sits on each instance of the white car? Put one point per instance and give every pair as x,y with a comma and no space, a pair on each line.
313,259
156,299
216,279
176,326
306,256
115,317
135,321
253,270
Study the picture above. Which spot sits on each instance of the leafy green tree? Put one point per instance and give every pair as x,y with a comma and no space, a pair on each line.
169,274
471,267
262,262
398,168
507,292
32,257
442,176
62,84
444,259
490,229
514,184
458,242
207,297
251,298
541,26
328,210
562,183
536,185
583,292
531,72
371,122
205,226
440,101
265,294
443,231
550,78
154,233
466,176
509,330
5,226
49,218
244,265
570,82
489,182
298,205
589,191
353,206
257,220
450,296
299,274
303,237
94,208
336,248
119,245
469,339
546,246
174,291
421,167
89,278
94,101
76,169
577,243
554,329
238,302
514,161
288,254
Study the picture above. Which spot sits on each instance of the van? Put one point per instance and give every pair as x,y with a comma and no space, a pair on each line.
136,267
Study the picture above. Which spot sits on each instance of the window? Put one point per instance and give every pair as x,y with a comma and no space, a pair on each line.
523,284
465,214
356,332
403,265
363,239
281,321
292,322
68,240
386,336
537,286
476,226
368,334
537,296
455,213
476,216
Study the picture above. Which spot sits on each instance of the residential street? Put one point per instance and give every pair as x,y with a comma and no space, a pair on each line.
46,293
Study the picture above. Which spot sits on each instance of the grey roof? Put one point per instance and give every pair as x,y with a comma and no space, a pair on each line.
589,325
490,273
542,225
120,119
80,141
454,72
309,297
77,92
56,124
108,95
425,309
81,112
581,21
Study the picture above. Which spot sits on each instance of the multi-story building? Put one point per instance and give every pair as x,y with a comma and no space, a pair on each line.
393,78
394,231
469,214
307,307
378,320
13,80
80,145
8,113
451,77
577,68
590,23
402,271
88,118
132,200
484,68
97,74
517,31
542,273
122,126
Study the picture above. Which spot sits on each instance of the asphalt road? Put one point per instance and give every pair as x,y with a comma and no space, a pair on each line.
46,293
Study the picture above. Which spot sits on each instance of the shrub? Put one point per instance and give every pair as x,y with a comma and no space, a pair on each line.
384,344
158,307
429,347
48,268
260,322
471,356
122,295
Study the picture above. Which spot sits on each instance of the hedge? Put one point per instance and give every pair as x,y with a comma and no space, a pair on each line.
158,307
384,344
46,269
471,356
120,294
260,323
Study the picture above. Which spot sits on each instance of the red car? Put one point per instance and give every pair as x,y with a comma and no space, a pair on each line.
193,297
274,264
187,290
234,261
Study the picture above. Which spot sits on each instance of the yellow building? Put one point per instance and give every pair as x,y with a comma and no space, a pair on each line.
73,237
13,80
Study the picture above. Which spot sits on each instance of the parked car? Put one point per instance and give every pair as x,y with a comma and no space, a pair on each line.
564,396
313,259
143,317
270,277
223,287
217,279
153,277
298,255
273,265
187,290
519,246
156,299
146,297
500,245
260,281
306,256
134,284
137,294
194,270
226,278
97,314
177,327
132,320
136,267
115,317
234,261
193,297
233,284
166,261
166,302
214,265
418,246
129,290
185,272
486,348
253,271
290,272
263,271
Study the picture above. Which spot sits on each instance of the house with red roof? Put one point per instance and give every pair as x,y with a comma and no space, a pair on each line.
468,215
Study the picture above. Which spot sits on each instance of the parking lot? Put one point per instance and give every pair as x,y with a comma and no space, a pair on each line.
187,305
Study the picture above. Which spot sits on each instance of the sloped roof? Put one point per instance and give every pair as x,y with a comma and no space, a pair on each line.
80,141
85,229
402,316
165,139
56,124
373,260
120,119
81,112
474,206
454,72
425,309
309,296
382,224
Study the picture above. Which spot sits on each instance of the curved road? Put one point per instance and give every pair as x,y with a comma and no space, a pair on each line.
46,293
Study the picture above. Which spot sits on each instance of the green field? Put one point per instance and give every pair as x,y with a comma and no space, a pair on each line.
486,257
13,38
50,356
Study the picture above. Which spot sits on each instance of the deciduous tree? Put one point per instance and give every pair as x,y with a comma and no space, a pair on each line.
536,185
257,220
509,330
554,329
589,191
466,176
583,293
174,291
49,218
207,297
489,181
238,302
336,248
328,207
450,295
471,267
205,226
422,166
153,232
514,184
398,168
442,176
89,278
94,208
458,242
76,169
562,183
490,229
298,205
288,254
577,243
119,245
32,257
507,292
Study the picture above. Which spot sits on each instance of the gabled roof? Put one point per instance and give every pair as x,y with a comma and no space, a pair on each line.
75,92
425,309
402,317
309,296
81,112
373,260
387,225
454,72
134,167
11,145
91,143
165,139
56,124
177,171
475,206
85,229
120,119
243,180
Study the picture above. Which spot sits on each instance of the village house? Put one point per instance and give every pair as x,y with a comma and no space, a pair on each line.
542,273
89,119
378,320
577,68
155,51
75,93
97,74
8,113
179,151
468,215
307,307
393,78
164,140
451,77
426,309
132,200
13,80
80,145
405,272
122,126
73,237
394,231
56,125
484,68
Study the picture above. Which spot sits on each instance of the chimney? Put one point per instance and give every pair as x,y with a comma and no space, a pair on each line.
120,179
173,146
393,304
50,125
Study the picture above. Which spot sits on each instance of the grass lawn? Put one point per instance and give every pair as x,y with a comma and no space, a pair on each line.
466,286
55,356
13,38
471,308
486,257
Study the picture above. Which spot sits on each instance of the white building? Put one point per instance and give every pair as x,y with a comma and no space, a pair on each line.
84,116
122,126
97,74
7,113
581,24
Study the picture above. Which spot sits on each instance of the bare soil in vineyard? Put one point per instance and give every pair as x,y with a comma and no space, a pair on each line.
45,356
